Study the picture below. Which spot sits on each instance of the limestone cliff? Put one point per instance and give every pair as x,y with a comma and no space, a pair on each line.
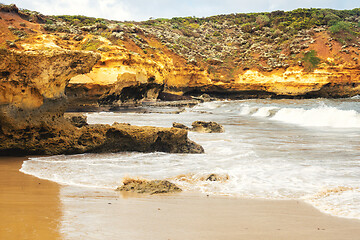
32,106
300,53
32,84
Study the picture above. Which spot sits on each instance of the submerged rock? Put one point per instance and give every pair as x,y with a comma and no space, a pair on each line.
207,127
217,178
150,187
200,126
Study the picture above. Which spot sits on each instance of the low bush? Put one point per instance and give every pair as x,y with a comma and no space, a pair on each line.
311,61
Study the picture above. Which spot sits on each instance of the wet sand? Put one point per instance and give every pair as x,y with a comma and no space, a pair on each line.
29,207
29,210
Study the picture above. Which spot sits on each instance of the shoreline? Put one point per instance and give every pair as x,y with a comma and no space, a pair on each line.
33,208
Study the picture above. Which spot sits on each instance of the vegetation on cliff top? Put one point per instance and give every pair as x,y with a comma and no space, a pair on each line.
225,45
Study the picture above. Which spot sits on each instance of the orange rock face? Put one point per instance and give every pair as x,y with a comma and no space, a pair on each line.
29,77
132,56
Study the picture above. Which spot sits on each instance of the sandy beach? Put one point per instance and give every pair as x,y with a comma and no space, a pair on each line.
32,209
29,207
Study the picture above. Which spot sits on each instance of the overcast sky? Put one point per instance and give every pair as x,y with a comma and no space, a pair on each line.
144,9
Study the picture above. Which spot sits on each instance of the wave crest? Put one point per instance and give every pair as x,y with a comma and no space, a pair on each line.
323,116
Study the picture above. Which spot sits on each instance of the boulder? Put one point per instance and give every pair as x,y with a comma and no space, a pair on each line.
207,127
150,187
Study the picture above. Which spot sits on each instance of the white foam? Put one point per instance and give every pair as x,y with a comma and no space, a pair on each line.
272,161
319,117
265,112
323,116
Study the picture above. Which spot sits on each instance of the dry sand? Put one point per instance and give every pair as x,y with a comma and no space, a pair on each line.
31,209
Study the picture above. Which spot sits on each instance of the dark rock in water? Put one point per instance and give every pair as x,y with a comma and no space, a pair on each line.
150,187
63,138
200,126
212,178
124,137
216,177
180,125
77,119
207,127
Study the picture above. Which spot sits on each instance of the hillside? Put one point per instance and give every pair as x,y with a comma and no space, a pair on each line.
300,53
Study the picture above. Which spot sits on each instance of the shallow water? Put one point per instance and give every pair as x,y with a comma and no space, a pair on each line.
272,149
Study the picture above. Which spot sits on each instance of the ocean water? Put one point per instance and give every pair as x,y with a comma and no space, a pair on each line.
271,149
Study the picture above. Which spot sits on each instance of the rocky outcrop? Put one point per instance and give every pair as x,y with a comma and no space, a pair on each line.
123,137
150,187
32,85
32,106
67,139
202,127
207,127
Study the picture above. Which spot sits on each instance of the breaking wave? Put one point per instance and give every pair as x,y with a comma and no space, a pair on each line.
322,116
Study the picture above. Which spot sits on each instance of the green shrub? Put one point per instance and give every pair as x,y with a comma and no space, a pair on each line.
262,20
341,26
311,61
331,18
343,32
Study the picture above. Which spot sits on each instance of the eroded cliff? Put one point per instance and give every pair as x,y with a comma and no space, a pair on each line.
32,84
301,53
32,106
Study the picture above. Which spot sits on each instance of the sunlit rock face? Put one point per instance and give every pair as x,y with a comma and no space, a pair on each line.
33,103
216,55
32,84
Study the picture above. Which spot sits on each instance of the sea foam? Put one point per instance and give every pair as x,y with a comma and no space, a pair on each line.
261,154
322,116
